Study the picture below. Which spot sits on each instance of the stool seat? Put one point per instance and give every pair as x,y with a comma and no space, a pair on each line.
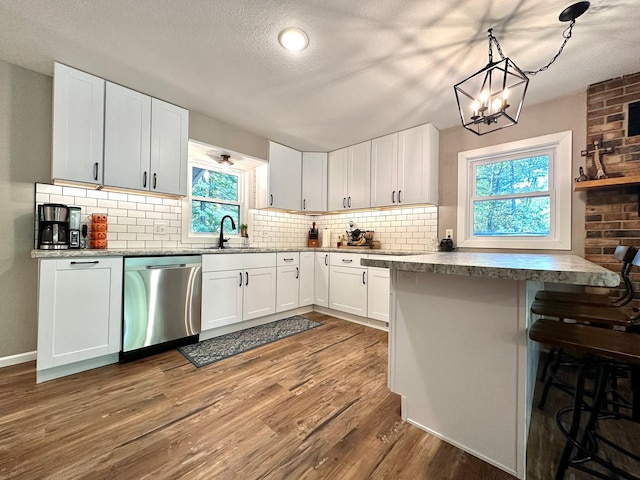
613,344
601,314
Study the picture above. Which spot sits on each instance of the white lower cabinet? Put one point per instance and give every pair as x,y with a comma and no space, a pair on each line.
79,309
307,279
321,277
348,284
288,281
237,287
378,292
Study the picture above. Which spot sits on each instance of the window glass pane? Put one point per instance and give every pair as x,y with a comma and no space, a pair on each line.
206,216
524,175
211,184
529,216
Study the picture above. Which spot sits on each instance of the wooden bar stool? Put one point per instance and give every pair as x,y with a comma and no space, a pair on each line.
607,350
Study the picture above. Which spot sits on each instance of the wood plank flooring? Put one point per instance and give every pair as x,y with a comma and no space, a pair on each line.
311,406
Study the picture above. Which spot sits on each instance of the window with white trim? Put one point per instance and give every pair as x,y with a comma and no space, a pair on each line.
516,195
213,193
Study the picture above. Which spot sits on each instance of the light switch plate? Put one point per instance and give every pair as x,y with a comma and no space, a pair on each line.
448,233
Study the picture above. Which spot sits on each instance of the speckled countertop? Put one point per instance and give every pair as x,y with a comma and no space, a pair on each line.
131,252
569,269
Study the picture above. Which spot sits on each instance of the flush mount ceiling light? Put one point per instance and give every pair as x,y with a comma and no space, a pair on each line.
293,39
492,98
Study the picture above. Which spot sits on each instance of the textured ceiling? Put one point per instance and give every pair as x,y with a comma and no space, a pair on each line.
372,66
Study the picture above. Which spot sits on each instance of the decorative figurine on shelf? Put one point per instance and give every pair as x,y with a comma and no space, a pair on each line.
597,163
583,177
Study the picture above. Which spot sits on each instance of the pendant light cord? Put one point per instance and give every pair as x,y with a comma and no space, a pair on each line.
566,35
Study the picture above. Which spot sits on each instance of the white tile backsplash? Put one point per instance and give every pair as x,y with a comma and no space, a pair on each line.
132,219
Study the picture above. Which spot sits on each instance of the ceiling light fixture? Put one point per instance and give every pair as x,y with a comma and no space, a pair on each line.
492,98
225,163
293,39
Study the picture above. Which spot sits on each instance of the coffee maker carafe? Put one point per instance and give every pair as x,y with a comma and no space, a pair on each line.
53,226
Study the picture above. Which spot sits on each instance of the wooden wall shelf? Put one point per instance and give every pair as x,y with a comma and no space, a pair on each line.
607,182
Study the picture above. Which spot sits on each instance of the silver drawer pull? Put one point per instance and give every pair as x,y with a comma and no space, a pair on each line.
346,261
288,259
177,265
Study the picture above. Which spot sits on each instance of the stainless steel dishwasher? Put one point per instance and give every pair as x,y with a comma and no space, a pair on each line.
161,304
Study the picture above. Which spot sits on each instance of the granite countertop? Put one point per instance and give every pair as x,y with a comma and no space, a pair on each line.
146,252
554,268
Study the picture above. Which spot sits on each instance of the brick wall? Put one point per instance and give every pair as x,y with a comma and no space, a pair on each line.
612,213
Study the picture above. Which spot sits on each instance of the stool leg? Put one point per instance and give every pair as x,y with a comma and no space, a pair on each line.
552,375
563,464
552,353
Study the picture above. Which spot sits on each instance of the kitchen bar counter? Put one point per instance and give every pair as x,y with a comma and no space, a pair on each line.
459,355
156,252
567,269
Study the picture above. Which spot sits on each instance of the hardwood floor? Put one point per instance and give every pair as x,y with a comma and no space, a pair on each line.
311,406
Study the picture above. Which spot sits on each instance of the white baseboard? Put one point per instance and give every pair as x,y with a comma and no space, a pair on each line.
16,359
369,322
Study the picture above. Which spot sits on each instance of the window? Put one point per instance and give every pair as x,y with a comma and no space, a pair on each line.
516,195
213,193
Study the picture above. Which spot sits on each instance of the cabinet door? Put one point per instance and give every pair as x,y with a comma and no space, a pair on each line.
79,310
348,290
321,284
169,143
287,288
384,171
314,182
307,278
285,177
127,133
259,292
221,298
337,184
78,125
418,165
378,292
359,175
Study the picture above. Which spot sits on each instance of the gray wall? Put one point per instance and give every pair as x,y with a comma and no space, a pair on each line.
559,115
25,158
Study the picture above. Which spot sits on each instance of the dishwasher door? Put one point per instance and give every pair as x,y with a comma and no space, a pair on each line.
161,300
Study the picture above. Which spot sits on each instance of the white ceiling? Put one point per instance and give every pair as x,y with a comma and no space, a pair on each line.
372,66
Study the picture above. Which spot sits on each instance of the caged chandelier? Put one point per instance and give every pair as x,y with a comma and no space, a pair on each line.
492,98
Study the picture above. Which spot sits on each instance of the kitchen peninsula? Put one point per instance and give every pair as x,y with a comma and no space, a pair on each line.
458,350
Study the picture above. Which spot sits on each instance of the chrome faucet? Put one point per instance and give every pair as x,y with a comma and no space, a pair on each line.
233,225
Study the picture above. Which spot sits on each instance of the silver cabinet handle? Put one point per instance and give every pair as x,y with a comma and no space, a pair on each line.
346,261
297,272
363,275
271,200
304,203
349,202
326,260
94,262
344,202
95,171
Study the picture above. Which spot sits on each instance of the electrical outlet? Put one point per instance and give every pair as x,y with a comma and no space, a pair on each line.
160,228
448,233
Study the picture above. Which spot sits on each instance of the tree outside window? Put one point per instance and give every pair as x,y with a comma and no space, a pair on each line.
214,194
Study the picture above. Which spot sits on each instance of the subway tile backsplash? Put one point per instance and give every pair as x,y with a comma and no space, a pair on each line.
132,220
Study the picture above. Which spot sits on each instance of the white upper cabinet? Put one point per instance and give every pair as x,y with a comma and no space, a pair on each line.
146,142
337,185
78,123
314,182
169,148
384,170
127,134
279,183
404,167
350,177
138,142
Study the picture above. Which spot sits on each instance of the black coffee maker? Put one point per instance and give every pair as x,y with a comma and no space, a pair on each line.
53,226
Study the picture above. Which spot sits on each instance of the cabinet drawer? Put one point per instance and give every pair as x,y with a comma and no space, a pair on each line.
288,258
346,259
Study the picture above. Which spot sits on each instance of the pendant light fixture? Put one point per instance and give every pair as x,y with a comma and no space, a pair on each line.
491,99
